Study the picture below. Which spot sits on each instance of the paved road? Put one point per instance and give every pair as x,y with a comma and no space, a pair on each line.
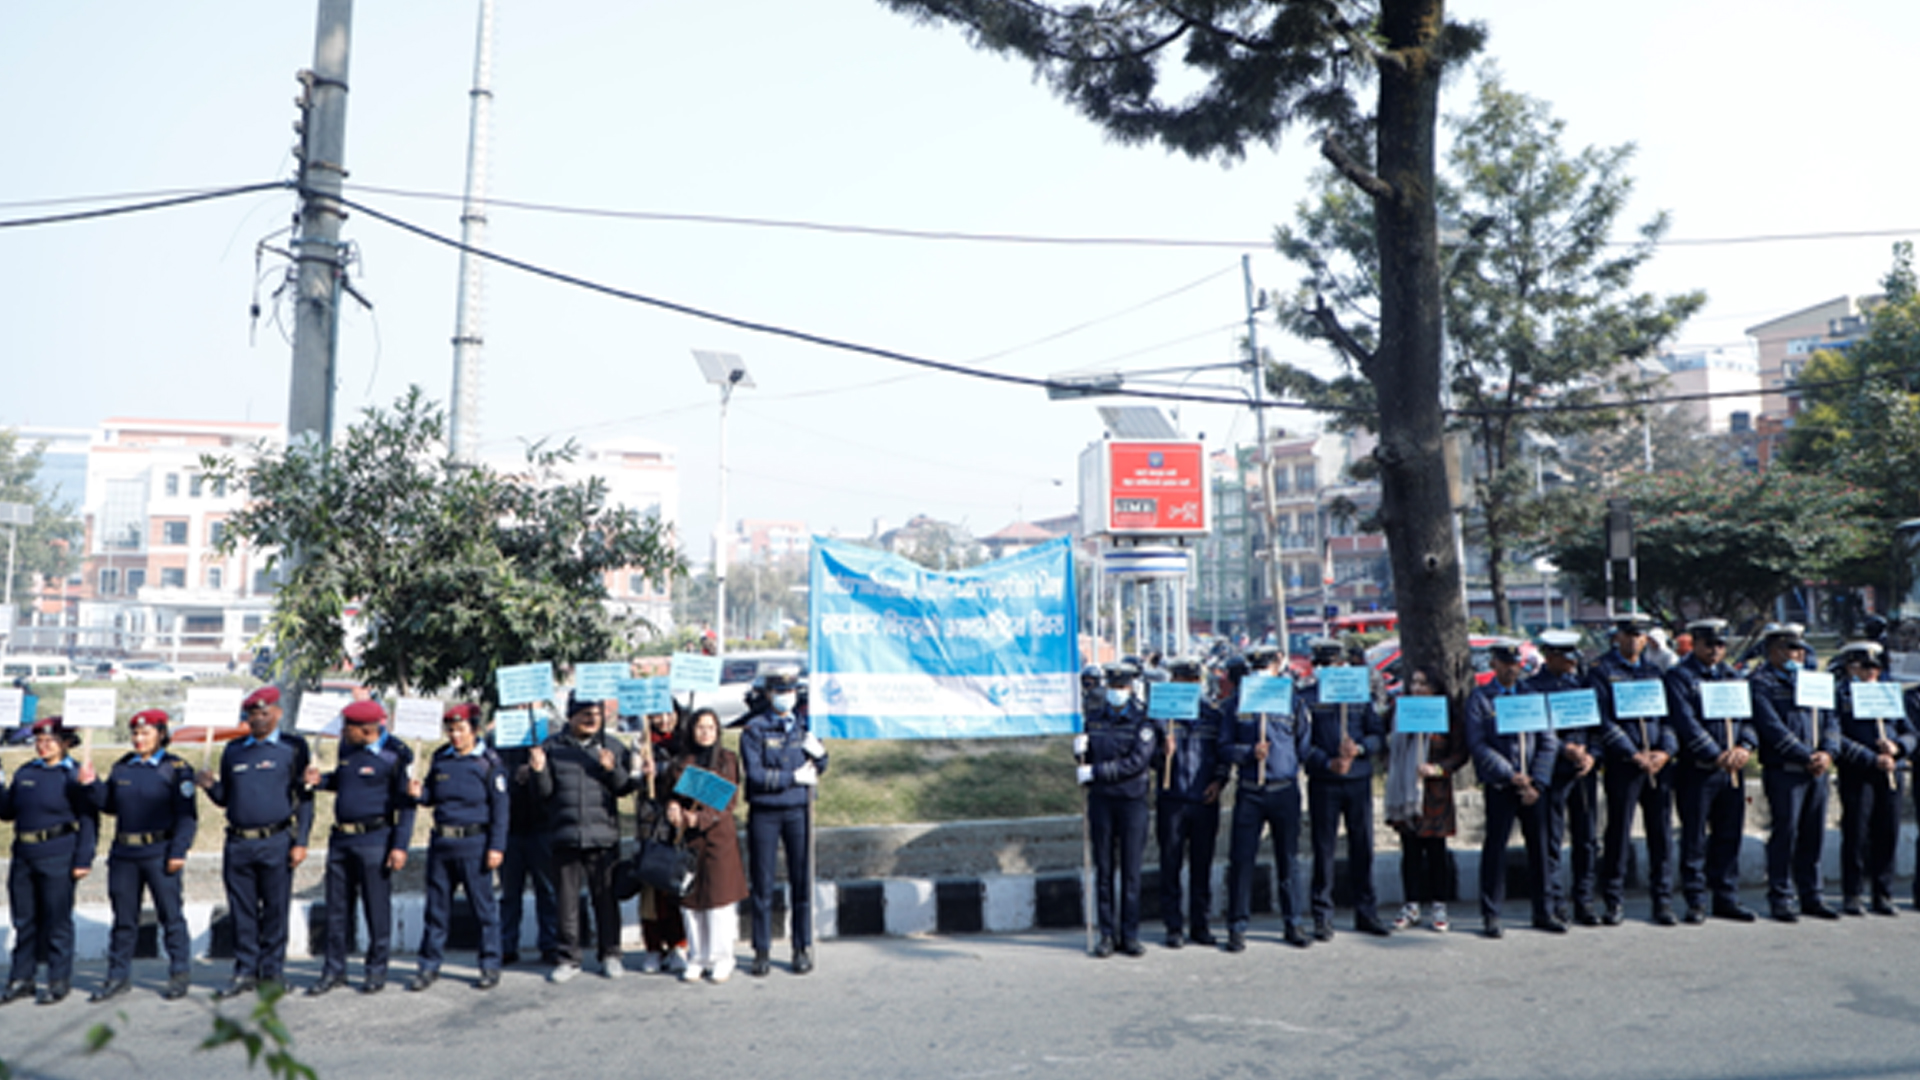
1764,1001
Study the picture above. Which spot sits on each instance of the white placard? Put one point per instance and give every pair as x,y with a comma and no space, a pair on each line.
1813,690
214,706
91,707
320,713
12,700
417,718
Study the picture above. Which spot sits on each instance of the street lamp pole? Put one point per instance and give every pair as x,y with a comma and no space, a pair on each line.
726,371
1276,584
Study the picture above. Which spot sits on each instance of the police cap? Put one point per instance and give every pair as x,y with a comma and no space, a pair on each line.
1632,622
1505,650
1326,650
1792,635
1184,669
1867,653
364,712
1122,674
266,695
1708,631
153,718
781,680
1262,656
1560,641
1235,667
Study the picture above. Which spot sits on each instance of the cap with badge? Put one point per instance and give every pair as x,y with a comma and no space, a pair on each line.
463,711
153,718
1559,641
1184,669
261,698
1791,635
1864,653
1505,650
1326,650
1121,674
1708,631
1632,622
364,712
56,727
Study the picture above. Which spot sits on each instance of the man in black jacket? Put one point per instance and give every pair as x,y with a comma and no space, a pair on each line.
580,774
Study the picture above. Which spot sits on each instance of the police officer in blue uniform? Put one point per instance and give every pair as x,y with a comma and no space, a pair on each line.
1638,752
1341,743
1708,790
1265,751
150,793
373,813
466,785
1516,773
784,761
51,803
1113,756
1573,799
266,788
1871,750
1187,812
1797,749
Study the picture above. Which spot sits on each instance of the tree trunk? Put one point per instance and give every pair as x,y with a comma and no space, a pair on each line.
1497,574
1406,374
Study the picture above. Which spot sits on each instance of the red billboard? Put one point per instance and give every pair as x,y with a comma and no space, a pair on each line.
1154,488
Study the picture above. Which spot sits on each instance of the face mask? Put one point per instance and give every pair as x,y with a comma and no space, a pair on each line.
1793,666
784,703
1118,698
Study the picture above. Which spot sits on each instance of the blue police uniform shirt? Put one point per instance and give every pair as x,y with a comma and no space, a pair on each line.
1622,738
469,789
1786,732
1859,736
152,794
1286,746
370,784
1196,756
1701,740
262,782
1364,725
1120,746
773,747
43,797
1496,757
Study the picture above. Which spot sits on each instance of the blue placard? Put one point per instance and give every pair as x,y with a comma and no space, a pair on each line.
1639,699
1344,686
598,682
1266,694
1570,709
519,727
1420,715
1877,701
707,788
1813,690
694,671
1173,701
525,683
644,697
1515,713
1728,700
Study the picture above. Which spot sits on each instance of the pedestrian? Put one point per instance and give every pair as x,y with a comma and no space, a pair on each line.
52,804
784,762
466,785
373,813
1871,749
151,795
265,786
1573,798
1515,772
581,773
711,833
1341,743
1264,752
1709,791
528,863
1420,807
1797,748
1113,757
1187,813
663,930
1638,752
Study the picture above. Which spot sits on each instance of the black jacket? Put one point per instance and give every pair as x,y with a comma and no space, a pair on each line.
581,798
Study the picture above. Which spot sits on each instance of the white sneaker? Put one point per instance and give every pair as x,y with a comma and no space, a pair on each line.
563,973
676,961
690,975
612,968
722,971
1409,916
1439,923
650,964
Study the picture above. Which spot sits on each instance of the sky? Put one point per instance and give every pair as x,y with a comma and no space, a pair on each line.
1762,119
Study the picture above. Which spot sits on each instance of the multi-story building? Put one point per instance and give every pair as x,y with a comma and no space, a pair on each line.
1785,344
641,475
765,540
1719,372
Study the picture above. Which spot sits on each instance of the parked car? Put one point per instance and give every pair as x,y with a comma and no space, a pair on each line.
1385,658
149,671
38,668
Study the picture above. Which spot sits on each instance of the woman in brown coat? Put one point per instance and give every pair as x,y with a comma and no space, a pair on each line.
719,881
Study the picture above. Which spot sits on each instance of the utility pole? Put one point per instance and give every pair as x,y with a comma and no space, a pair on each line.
321,260
464,427
1276,583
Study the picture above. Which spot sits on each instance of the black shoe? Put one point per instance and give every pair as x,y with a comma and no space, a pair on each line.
1695,915
1236,941
1297,937
1202,936
802,961
1736,911
762,963
374,984
1323,929
1613,916
422,979
1103,948
1372,926
1132,947
488,979
1883,906
109,990
1817,909
19,988
241,984
1663,916
1853,905
1585,917
1563,914
510,958
53,992
1174,940
1492,929
1783,913
326,983
1550,924
177,987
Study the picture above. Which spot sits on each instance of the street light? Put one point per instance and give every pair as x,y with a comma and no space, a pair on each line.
726,371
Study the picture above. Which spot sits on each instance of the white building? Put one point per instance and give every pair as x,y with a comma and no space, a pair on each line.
641,475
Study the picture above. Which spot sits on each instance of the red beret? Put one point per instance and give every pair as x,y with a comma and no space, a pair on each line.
364,712
469,713
49,726
266,695
149,718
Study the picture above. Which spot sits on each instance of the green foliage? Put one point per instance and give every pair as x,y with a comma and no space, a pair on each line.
457,569
263,1034
50,547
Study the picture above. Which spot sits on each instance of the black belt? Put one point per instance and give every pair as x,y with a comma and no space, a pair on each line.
142,839
358,828
261,833
44,835
457,832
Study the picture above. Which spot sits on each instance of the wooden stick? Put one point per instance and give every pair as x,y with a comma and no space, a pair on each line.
1173,741
1086,863
86,745
1733,775
1881,721
1261,773
1646,746
206,750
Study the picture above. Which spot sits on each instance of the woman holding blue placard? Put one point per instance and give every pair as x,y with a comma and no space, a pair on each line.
719,881
1420,804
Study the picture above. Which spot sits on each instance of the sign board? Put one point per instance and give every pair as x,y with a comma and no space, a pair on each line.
1133,487
1266,694
13,704
320,713
694,671
1730,699
1871,700
1813,690
525,683
1420,715
214,706
598,682
519,727
644,697
1573,709
1173,701
417,718
90,708
1639,699
704,787
1517,713
1345,686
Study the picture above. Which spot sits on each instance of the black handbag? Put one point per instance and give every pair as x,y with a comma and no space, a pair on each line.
666,866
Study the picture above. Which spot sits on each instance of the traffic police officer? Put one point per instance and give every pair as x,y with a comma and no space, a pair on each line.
372,827
466,785
1265,751
265,787
1573,800
52,805
151,795
1797,748
1870,753
1187,812
1341,743
1113,755
1516,773
784,761
1638,751
1708,789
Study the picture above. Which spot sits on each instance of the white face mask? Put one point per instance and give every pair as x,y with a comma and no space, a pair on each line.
784,703
1119,698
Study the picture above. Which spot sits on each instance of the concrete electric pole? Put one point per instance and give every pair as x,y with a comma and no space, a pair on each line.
317,249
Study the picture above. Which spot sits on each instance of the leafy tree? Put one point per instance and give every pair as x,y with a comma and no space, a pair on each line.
458,569
50,547
1540,314
1263,66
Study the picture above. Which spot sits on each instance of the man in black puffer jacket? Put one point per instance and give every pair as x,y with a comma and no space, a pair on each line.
580,773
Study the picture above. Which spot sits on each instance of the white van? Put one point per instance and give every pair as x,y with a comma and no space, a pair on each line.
38,669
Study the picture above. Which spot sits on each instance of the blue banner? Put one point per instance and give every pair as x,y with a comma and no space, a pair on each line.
1420,715
1871,700
1266,694
897,651
644,697
1344,686
1515,714
1728,700
598,682
1173,701
524,683
694,671
1573,709
1639,699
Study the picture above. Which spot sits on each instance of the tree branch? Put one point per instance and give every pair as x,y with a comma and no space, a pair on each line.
1336,333
1348,166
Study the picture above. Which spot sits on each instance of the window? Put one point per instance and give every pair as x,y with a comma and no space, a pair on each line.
1304,477
194,484
216,531
220,489
264,584
1280,479
173,533
109,582
1309,526
173,484
215,577
136,580
173,577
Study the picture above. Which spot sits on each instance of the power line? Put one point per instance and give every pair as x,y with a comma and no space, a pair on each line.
155,204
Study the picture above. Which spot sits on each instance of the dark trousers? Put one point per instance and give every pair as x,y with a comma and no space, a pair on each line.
40,893
1255,810
576,868
1329,803
769,831
1628,787
1117,827
1573,814
528,859
126,876
1869,828
259,892
1798,802
462,863
357,868
1188,833
1425,863
1503,809
1713,817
